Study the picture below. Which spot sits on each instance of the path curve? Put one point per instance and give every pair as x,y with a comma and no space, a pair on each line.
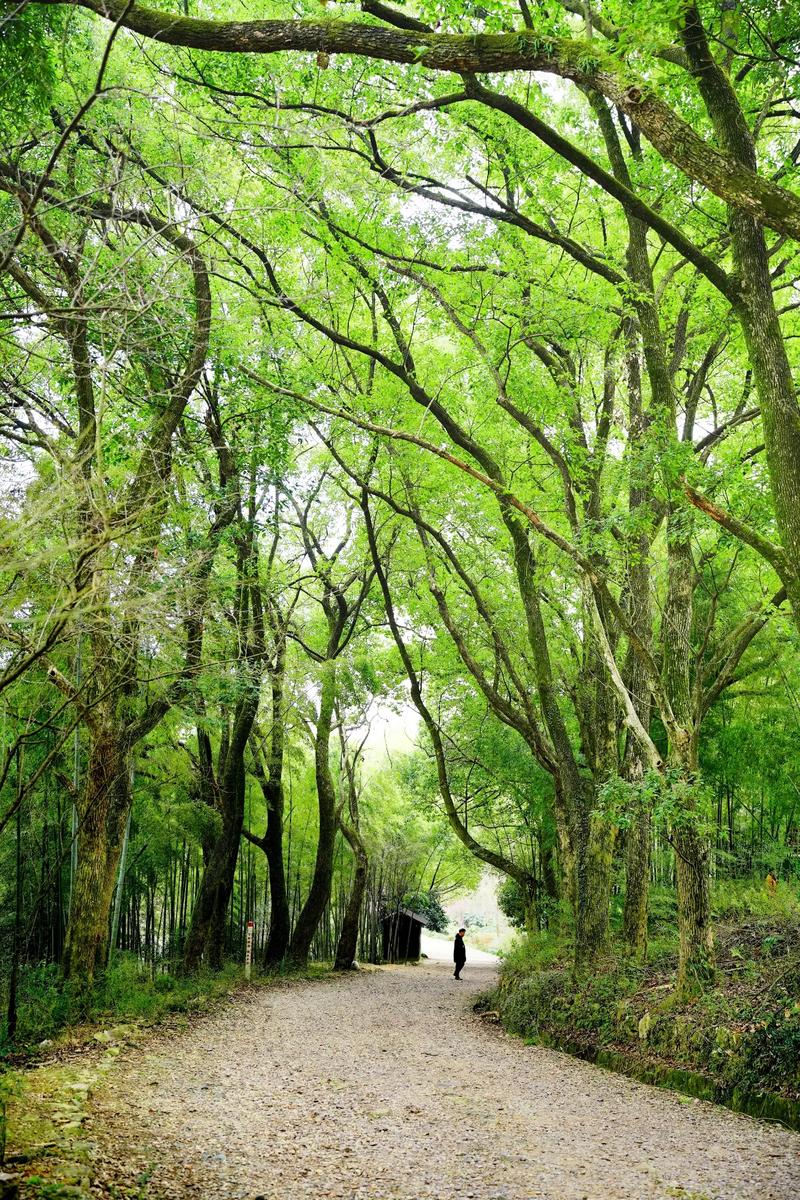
383,1085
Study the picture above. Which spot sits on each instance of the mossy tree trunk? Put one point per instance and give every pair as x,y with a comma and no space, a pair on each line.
103,808
696,968
692,850
678,703
772,373
638,853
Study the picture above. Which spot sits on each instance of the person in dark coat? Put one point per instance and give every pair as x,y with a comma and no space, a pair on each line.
459,953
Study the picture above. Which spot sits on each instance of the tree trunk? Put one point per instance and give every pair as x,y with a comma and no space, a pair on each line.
595,837
696,941
587,843
271,782
228,855
206,936
314,907
551,882
279,925
696,944
102,812
638,845
772,375
777,395
348,938
637,880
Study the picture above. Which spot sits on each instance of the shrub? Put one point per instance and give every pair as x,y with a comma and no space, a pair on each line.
525,1005
772,1051
127,991
735,899
511,901
535,952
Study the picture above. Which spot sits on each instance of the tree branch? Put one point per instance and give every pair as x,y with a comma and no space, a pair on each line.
774,554
579,60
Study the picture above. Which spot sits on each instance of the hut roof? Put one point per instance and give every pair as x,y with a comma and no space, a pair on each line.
406,912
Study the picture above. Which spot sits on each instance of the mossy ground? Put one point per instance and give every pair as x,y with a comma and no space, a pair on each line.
47,1144
743,1033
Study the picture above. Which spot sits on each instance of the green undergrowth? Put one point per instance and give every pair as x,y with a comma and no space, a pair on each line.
743,1033
52,1012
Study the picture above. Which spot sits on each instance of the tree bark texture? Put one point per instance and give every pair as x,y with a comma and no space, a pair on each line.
102,812
696,939
319,894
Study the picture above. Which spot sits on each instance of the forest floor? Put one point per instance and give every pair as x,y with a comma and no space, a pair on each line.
385,1085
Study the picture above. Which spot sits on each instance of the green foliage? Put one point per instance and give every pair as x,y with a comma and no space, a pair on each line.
497,320
29,43
512,900
534,952
743,1033
674,799
126,992
771,1051
540,1000
429,906
738,899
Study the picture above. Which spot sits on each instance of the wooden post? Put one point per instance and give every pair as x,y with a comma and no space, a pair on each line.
248,954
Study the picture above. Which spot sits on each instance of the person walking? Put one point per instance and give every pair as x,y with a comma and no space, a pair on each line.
459,953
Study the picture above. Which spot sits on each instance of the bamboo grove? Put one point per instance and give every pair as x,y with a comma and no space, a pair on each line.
432,361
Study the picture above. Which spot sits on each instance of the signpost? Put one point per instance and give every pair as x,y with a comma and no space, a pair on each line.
248,954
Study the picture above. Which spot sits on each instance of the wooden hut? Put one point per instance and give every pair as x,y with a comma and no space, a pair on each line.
402,930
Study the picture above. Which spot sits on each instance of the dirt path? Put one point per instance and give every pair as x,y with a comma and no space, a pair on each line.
385,1086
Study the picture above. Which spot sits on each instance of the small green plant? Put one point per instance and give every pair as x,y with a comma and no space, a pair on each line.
126,992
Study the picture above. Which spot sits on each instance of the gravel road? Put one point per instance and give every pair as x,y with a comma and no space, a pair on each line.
384,1085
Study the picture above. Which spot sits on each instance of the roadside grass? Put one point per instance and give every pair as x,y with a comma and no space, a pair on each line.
52,1012
743,1033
